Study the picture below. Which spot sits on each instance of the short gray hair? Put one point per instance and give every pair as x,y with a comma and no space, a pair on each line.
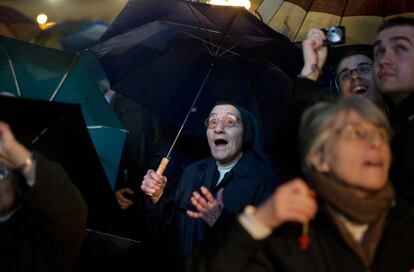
317,121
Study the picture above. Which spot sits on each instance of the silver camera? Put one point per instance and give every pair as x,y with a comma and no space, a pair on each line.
334,35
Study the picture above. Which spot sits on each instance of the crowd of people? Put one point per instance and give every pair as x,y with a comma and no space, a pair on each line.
335,193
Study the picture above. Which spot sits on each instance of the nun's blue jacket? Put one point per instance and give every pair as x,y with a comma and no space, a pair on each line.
250,182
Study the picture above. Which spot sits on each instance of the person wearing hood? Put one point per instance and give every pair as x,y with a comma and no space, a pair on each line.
345,217
237,174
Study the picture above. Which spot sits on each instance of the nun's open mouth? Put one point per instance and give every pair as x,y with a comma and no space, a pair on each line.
220,142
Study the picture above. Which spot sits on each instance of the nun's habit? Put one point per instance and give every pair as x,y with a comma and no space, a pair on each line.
250,181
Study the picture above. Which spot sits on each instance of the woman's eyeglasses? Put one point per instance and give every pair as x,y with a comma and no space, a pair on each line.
352,132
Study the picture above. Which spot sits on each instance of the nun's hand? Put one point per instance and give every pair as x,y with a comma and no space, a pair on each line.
153,185
208,207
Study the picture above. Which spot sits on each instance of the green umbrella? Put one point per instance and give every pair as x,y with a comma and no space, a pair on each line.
37,72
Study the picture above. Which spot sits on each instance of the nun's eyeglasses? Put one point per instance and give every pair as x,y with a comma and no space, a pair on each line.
227,120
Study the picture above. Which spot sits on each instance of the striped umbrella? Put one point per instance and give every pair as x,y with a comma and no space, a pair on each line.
361,18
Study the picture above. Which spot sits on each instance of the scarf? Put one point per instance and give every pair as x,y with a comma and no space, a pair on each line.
358,205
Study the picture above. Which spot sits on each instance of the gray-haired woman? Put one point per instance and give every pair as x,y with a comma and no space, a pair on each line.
347,205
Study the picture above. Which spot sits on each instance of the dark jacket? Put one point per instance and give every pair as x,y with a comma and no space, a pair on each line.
303,94
233,249
249,182
402,171
46,232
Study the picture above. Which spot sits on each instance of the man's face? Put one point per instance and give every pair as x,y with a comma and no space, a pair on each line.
225,136
7,196
354,76
394,62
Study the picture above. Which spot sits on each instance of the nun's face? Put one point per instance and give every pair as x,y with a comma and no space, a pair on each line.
225,133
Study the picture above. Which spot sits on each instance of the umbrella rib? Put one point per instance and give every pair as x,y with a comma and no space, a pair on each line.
202,40
39,135
16,83
210,43
192,10
193,27
190,109
228,50
303,21
213,63
55,92
100,127
343,12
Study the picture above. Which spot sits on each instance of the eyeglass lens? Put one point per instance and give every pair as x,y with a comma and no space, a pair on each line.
361,69
227,120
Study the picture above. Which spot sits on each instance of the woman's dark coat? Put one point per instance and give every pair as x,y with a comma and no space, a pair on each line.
402,146
233,249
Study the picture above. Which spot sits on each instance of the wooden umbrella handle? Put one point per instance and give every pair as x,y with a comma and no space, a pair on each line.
161,169
162,166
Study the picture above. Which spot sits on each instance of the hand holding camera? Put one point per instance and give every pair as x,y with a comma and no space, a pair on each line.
315,49
334,35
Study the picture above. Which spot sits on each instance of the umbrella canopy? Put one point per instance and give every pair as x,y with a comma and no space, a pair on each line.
72,36
361,19
58,131
165,53
36,72
15,24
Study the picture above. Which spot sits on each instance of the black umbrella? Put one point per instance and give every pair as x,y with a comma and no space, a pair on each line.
58,130
178,58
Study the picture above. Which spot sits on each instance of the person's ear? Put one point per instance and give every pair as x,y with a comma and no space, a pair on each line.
319,162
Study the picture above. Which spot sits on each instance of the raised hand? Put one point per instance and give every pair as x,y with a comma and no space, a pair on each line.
293,201
208,207
314,53
13,154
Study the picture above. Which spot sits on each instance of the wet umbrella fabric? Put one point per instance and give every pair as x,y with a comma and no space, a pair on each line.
58,131
361,19
160,52
17,25
72,36
37,72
